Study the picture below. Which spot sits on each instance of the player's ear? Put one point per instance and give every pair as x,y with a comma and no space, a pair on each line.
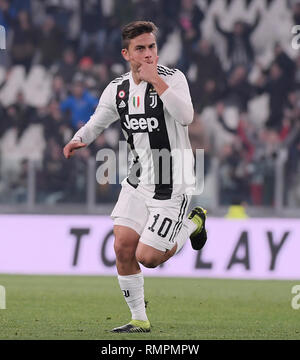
125,54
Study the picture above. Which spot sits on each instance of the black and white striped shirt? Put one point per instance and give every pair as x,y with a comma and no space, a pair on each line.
152,125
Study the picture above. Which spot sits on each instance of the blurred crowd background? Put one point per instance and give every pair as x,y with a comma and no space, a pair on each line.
244,78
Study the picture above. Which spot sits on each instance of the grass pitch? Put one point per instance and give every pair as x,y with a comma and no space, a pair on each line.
77,307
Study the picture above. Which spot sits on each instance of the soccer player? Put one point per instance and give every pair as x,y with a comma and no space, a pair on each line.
154,106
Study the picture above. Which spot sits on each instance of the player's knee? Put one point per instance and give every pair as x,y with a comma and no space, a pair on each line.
147,260
124,252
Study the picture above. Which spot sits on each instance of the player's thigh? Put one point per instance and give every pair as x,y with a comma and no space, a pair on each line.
130,210
164,222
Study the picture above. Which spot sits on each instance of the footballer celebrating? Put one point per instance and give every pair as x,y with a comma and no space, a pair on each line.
154,107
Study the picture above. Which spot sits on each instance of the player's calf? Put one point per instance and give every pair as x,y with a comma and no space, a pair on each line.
125,245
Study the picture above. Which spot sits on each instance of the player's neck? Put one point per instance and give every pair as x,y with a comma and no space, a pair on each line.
136,77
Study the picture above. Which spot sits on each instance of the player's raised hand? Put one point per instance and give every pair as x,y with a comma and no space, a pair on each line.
70,148
148,71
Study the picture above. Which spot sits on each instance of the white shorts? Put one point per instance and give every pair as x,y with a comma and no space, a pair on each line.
156,221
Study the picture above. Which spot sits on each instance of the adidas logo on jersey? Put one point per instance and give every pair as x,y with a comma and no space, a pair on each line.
141,124
122,104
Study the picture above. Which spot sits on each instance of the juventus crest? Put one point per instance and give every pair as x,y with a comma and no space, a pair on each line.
153,97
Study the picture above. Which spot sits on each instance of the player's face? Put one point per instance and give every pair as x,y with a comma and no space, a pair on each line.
141,49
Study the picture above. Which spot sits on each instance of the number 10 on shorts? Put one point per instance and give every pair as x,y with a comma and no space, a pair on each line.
164,228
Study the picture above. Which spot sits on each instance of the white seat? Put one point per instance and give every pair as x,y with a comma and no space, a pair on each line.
171,50
31,146
32,142
236,11
217,7
37,88
258,110
13,85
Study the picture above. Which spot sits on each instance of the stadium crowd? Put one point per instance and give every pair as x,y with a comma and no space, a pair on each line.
79,42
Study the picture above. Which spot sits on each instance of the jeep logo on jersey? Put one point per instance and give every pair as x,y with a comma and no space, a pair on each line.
141,124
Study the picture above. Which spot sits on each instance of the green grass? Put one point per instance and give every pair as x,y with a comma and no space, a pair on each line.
74,307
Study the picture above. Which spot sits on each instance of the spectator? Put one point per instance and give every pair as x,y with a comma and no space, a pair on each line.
67,66
238,91
167,19
20,5
239,48
20,115
24,41
277,86
81,105
103,75
147,9
286,64
234,186
50,42
107,193
296,84
78,189
113,42
296,11
210,78
124,11
4,123
19,185
56,177
292,166
61,11
6,14
190,17
59,90
87,75
92,37
55,126
271,147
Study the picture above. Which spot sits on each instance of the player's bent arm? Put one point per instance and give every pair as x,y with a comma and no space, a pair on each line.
177,100
104,115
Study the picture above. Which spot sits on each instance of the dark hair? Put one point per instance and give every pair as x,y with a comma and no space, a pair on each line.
136,28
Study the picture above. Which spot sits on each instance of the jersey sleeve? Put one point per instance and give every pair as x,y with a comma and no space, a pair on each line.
104,115
177,99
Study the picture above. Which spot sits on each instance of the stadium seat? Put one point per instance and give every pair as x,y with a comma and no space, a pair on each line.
30,146
258,110
170,52
13,85
37,88
237,10
32,143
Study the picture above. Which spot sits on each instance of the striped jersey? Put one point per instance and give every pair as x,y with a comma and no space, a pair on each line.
155,128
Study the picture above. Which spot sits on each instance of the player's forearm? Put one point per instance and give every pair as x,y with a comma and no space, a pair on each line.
180,108
89,132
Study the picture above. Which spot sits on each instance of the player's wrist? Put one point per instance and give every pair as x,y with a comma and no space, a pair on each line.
156,80
159,85
76,140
